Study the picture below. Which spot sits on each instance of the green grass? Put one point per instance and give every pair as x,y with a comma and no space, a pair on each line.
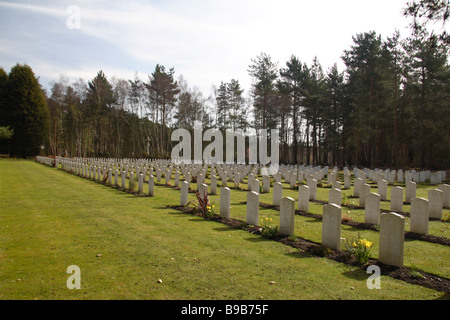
50,220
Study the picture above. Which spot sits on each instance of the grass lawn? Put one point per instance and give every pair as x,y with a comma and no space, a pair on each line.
123,244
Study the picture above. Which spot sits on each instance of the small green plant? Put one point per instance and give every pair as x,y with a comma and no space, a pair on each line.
360,248
267,230
414,272
203,206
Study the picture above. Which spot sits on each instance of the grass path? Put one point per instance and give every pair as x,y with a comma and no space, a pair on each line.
50,220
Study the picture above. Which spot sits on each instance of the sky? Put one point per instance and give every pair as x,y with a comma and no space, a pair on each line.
206,42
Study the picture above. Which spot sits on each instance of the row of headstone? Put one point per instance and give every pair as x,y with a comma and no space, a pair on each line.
400,176
102,169
103,172
290,173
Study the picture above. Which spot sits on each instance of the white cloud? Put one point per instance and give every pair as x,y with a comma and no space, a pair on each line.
206,41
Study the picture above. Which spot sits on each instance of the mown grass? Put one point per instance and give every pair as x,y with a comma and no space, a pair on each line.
50,220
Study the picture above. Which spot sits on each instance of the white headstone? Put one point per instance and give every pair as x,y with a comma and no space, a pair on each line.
225,202
277,193
203,190
347,180
382,189
287,214
445,188
140,183
131,182
372,209
177,179
116,178
158,175
397,199
331,226
334,196
213,185
312,184
363,191
252,208
419,216
392,238
303,198
336,185
184,193
255,185
124,179
357,186
435,203
151,186
410,191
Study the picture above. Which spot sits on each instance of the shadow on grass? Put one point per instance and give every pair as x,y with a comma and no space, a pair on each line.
312,220
356,274
257,238
176,213
226,229
300,254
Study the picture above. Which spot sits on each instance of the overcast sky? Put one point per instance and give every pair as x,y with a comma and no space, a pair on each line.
205,41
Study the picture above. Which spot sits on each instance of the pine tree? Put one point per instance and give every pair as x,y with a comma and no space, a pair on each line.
293,83
335,87
264,73
363,69
100,100
424,12
427,90
25,111
238,119
163,90
222,107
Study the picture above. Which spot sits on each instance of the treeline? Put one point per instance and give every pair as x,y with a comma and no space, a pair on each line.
388,108
117,118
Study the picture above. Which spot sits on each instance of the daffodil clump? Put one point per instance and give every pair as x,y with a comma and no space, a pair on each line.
360,248
209,210
266,229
